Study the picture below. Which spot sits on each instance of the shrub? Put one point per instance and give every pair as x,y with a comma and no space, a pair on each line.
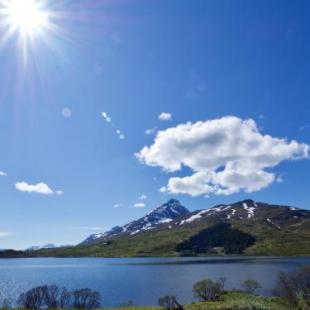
57,297
251,286
222,282
53,297
207,290
169,303
295,287
32,299
86,299
6,304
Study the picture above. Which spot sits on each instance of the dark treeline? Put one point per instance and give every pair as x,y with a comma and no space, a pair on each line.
221,235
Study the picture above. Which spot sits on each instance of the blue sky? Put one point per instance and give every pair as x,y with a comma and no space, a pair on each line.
198,61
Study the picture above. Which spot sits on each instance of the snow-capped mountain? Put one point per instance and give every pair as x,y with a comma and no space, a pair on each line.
274,215
38,247
163,214
172,215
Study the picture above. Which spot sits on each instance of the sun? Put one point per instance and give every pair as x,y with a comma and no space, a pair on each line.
25,16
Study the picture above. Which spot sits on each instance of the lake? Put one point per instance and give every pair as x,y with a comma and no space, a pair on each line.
140,280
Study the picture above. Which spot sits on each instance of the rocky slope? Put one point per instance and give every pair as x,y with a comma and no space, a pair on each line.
164,214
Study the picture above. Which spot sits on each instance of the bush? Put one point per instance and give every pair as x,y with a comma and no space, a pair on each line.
86,299
57,297
53,297
169,303
251,286
208,290
295,287
6,304
33,299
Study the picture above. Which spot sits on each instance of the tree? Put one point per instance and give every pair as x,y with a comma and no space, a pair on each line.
86,299
222,282
295,286
169,302
251,285
207,290
6,304
57,297
33,299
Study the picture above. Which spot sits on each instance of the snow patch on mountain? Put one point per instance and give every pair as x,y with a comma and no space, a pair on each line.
161,215
250,210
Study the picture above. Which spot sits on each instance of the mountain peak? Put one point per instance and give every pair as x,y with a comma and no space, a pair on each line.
169,210
163,214
173,201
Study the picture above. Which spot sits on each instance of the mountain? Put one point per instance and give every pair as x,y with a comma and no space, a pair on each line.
38,247
46,246
244,228
163,214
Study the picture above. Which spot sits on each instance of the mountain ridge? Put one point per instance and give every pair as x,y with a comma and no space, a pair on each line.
241,228
165,213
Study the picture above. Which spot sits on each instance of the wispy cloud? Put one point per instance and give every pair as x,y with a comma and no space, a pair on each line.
142,197
165,116
150,131
139,205
3,174
39,188
117,205
66,112
4,234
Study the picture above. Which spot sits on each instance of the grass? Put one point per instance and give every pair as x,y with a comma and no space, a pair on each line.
231,300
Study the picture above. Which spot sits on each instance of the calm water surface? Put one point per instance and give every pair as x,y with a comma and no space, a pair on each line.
141,280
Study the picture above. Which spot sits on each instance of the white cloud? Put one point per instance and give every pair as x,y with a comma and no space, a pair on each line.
4,234
106,117
150,131
117,205
139,205
40,188
3,174
143,197
164,116
227,155
66,112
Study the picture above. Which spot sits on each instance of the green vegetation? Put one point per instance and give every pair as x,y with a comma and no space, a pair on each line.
231,301
208,290
293,240
251,286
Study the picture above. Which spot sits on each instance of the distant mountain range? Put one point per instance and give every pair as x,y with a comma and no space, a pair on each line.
38,247
242,228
